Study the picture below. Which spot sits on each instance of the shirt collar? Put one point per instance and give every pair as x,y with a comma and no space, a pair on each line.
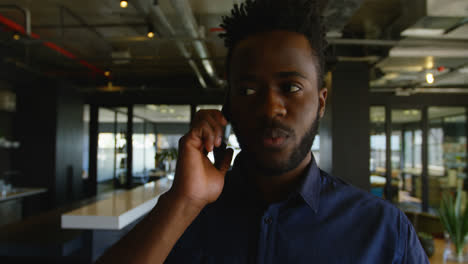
309,189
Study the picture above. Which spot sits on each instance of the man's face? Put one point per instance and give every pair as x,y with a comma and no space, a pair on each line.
275,101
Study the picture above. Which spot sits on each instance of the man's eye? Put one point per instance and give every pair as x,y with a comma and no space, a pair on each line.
291,88
249,91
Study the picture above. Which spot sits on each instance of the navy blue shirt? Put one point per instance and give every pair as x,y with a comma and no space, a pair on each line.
324,221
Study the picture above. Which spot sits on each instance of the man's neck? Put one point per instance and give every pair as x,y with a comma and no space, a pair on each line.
277,187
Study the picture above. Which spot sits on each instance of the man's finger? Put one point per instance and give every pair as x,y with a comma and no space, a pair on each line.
217,129
208,136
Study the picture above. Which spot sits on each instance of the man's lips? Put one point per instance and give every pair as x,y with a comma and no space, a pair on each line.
274,137
275,133
273,142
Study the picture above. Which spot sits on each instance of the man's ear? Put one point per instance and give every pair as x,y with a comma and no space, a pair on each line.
322,100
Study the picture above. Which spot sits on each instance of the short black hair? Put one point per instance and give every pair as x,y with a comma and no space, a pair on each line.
258,16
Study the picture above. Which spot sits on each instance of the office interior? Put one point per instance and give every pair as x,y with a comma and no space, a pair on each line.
94,96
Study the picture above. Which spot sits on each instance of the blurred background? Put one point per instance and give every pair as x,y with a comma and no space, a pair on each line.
94,96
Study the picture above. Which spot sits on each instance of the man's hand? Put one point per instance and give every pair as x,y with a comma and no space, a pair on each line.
197,181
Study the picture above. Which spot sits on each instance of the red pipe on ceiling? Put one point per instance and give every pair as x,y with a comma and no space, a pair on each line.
20,29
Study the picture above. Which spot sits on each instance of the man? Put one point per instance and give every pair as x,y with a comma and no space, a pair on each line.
275,205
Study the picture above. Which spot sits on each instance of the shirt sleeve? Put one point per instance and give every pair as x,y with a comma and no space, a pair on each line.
412,251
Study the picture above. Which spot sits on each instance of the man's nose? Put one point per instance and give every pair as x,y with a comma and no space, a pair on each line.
273,104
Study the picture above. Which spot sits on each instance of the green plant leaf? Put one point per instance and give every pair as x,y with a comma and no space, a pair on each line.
455,220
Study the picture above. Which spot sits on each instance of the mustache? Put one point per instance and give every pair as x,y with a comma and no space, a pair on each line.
275,128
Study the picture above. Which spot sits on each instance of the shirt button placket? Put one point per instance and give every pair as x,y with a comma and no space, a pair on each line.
265,248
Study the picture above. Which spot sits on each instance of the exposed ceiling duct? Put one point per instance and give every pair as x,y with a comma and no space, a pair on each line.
441,29
189,23
26,14
420,90
434,18
159,20
337,14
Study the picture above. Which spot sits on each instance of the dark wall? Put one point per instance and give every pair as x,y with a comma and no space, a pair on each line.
6,123
35,125
68,145
49,125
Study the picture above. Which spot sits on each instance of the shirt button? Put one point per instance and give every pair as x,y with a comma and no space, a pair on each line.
268,220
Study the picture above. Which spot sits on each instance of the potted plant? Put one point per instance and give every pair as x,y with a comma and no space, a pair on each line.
454,218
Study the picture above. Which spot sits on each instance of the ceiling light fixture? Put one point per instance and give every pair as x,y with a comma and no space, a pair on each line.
123,4
429,62
430,78
150,31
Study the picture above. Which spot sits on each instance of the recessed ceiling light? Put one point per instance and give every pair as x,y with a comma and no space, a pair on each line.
391,76
123,4
430,78
429,62
422,32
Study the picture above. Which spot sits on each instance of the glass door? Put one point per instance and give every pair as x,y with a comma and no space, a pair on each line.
446,153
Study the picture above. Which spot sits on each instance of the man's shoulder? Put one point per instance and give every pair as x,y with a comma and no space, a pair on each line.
362,214
339,190
361,208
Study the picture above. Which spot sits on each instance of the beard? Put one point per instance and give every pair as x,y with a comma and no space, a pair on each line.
298,154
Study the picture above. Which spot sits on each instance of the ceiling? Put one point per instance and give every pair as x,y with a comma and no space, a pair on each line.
404,39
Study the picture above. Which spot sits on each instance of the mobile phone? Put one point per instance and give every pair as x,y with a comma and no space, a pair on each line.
218,151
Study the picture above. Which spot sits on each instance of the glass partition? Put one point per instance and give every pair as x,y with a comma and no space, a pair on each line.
120,164
406,159
144,149
157,130
377,160
106,149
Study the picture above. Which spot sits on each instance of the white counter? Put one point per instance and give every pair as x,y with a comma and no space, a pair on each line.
117,211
